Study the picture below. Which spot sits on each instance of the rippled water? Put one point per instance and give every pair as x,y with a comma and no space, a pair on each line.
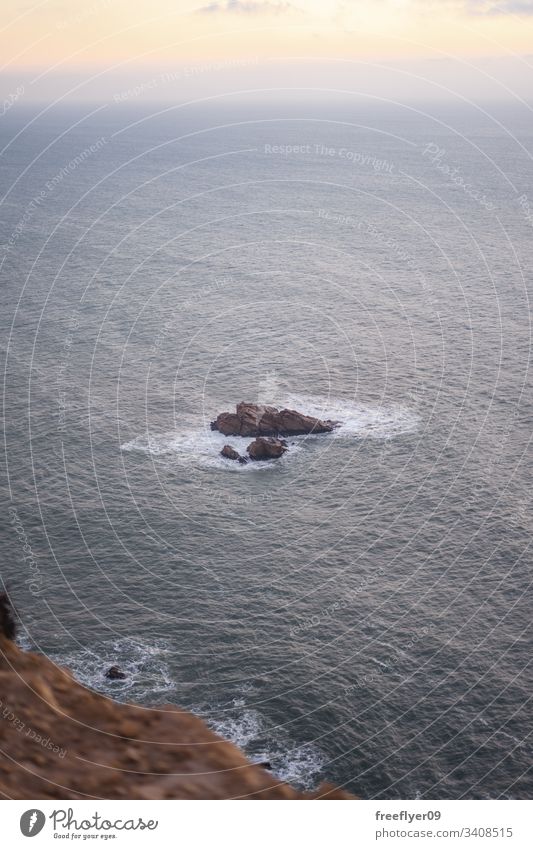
361,609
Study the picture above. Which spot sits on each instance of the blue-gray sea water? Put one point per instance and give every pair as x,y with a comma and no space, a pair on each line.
361,609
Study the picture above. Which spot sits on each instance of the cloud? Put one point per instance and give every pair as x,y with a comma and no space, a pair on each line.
504,7
245,7
481,8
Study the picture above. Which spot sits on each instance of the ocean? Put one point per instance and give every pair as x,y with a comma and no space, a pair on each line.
359,610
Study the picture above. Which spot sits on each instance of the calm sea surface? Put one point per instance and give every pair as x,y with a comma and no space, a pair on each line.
360,610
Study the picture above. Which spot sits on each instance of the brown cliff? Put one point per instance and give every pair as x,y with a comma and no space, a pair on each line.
60,740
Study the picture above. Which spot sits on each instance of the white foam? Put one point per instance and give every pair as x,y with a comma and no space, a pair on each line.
241,729
251,732
144,664
363,421
24,641
301,765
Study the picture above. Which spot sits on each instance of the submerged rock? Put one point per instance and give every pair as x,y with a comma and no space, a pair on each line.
230,454
115,674
266,448
259,420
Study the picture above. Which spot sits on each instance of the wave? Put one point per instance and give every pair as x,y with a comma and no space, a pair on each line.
145,665
201,446
298,764
242,729
24,641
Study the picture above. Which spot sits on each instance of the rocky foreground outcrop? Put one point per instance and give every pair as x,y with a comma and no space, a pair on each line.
258,420
61,741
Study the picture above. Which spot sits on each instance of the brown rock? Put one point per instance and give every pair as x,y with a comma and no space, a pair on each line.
115,674
292,423
264,448
230,454
258,420
227,423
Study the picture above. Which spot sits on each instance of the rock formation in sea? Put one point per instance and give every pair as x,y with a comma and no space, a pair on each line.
266,448
258,420
61,741
231,454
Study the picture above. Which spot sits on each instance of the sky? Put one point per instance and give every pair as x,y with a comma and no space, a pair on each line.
51,47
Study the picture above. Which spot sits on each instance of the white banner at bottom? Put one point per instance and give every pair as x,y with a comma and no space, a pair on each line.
268,825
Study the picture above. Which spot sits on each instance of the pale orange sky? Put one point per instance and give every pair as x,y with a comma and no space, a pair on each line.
100,32
56,37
